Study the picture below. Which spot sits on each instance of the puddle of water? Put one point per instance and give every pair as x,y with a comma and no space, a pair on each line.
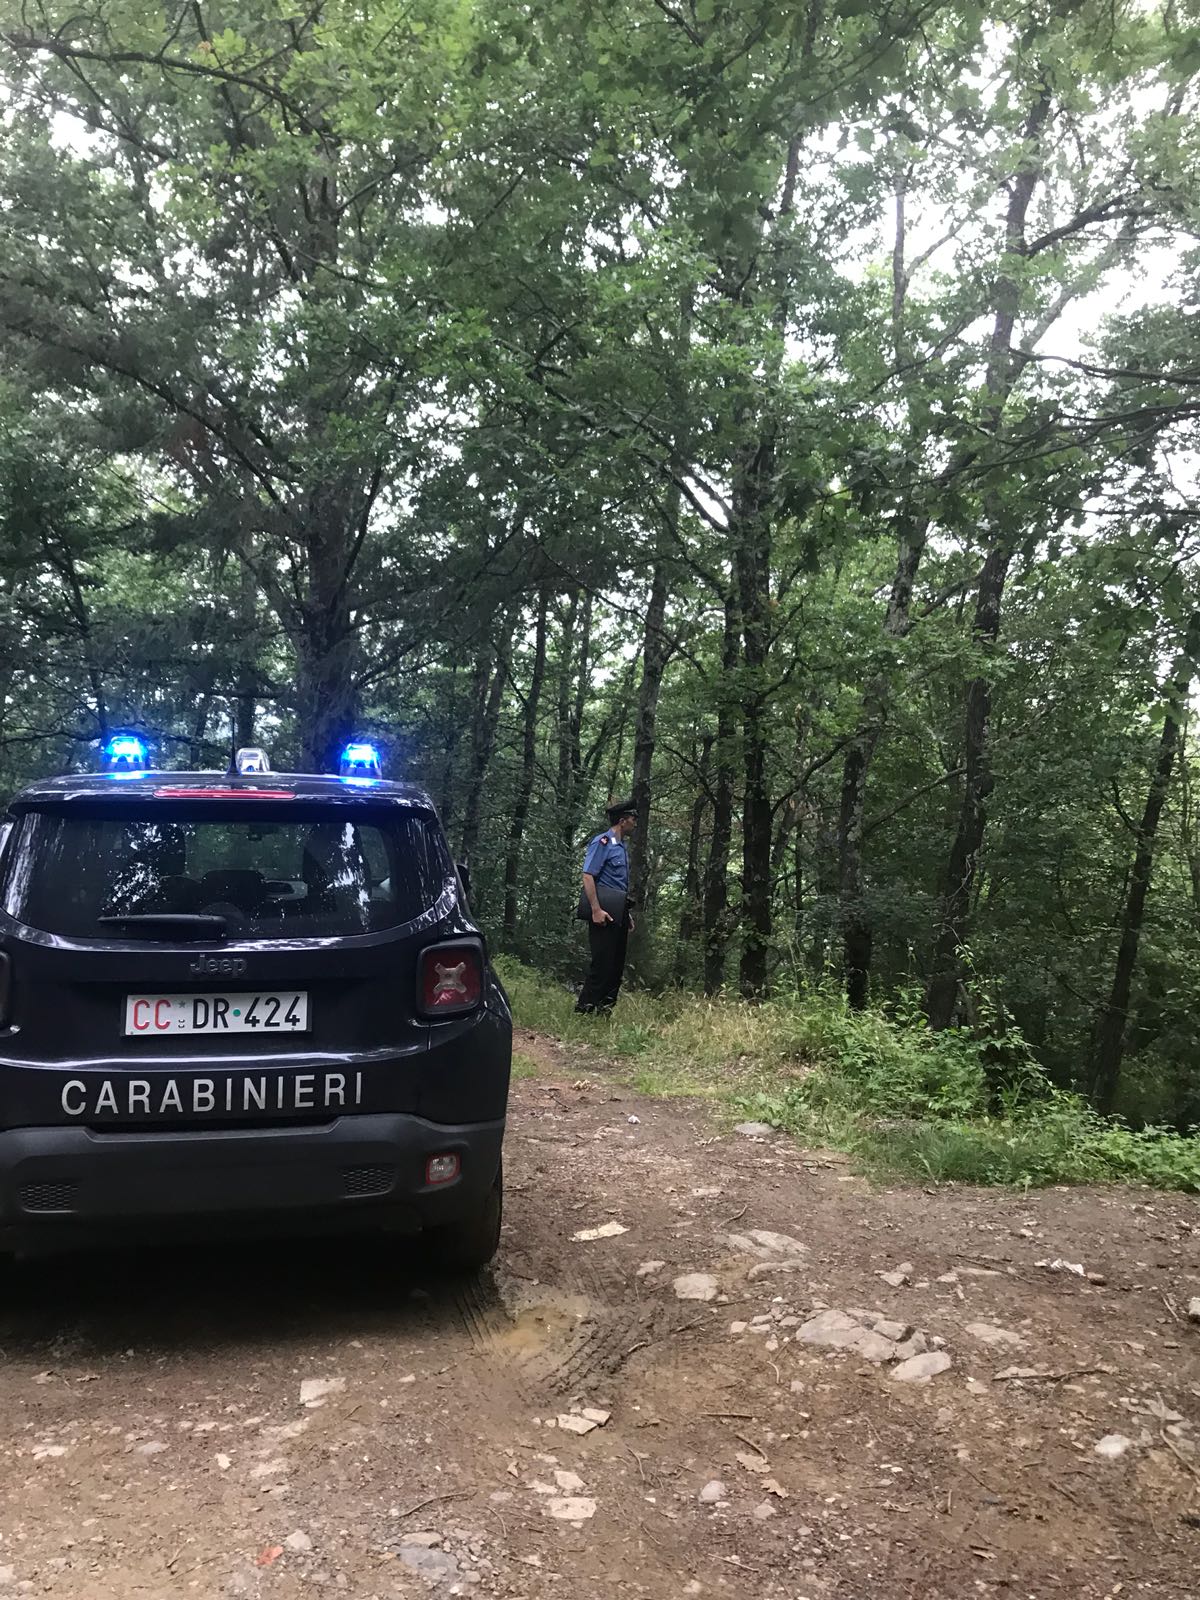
538,1316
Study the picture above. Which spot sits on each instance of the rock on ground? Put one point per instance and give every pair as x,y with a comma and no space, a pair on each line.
988,1333
1113,1445
696,1286
867,1334
920,1369
435,1565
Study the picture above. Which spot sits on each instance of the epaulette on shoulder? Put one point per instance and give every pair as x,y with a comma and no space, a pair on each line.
604,839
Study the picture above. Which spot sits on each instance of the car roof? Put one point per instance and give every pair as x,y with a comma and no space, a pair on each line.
139,787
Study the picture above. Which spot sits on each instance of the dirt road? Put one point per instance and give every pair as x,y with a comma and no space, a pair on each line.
155,1442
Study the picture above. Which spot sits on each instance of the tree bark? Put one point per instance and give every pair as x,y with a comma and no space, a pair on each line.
941,999
978,783
752,564
491,676
690,915
655,654
579,779
856,923
1109,1039
445,802
524,795
717,922
565,675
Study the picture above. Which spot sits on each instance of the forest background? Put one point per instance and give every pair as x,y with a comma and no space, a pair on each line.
786,413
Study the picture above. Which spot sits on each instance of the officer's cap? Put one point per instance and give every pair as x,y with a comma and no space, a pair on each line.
625,809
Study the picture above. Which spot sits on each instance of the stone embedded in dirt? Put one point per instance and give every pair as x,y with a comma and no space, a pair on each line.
766,1245
1194,1309
299,1542
7,1575
269,1469
738,1327
1075,1268
315,1391
948,1277
606,1230
920,1369
888,1328
426,1541
768,1269
765,1510
754,1130
838,1330
897,1278
569,1482
1113,1445
574,1424
152,1447
223,1461
582,1420
571,1508
712,1493
988,1333
433,1565
695,1286
648,1267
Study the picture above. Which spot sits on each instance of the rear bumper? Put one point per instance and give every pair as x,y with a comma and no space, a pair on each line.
64,1187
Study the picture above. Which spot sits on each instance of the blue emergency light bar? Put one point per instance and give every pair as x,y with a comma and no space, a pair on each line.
360,761
125,752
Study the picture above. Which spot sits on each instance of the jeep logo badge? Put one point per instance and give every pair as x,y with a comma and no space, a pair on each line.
217,966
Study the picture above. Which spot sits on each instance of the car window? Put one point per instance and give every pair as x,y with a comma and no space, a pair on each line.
272,873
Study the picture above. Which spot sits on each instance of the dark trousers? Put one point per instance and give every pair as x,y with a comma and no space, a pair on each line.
606,946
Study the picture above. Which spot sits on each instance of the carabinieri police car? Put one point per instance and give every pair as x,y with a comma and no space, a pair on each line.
246,1000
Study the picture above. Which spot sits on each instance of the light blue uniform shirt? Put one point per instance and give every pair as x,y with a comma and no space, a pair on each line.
606,861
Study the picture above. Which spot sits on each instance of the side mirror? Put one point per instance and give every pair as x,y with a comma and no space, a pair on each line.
464,877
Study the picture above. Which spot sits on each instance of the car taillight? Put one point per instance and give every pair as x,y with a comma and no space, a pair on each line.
5,988
451,979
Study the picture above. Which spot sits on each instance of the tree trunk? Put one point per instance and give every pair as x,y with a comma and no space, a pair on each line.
570,820
752,564
326,700
1109,1046
856,924
655,653
524,795
445,802
716,874
566,684
942,995
690,915
245,707
489,683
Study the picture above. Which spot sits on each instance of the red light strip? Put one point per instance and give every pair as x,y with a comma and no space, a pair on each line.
224,794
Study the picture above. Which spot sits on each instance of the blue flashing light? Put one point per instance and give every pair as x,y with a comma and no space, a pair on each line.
125,752
360,761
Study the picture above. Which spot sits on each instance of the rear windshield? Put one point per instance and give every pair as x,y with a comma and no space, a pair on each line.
272,871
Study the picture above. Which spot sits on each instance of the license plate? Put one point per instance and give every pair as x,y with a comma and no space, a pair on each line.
277,1011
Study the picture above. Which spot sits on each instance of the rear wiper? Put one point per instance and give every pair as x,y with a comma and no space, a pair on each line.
167,924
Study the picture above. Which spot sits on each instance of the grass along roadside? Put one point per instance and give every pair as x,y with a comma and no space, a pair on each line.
946,1106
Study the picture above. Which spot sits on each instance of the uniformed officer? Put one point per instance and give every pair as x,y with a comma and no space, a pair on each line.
604,905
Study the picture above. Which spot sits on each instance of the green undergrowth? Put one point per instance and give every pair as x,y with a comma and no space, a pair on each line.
944,1106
